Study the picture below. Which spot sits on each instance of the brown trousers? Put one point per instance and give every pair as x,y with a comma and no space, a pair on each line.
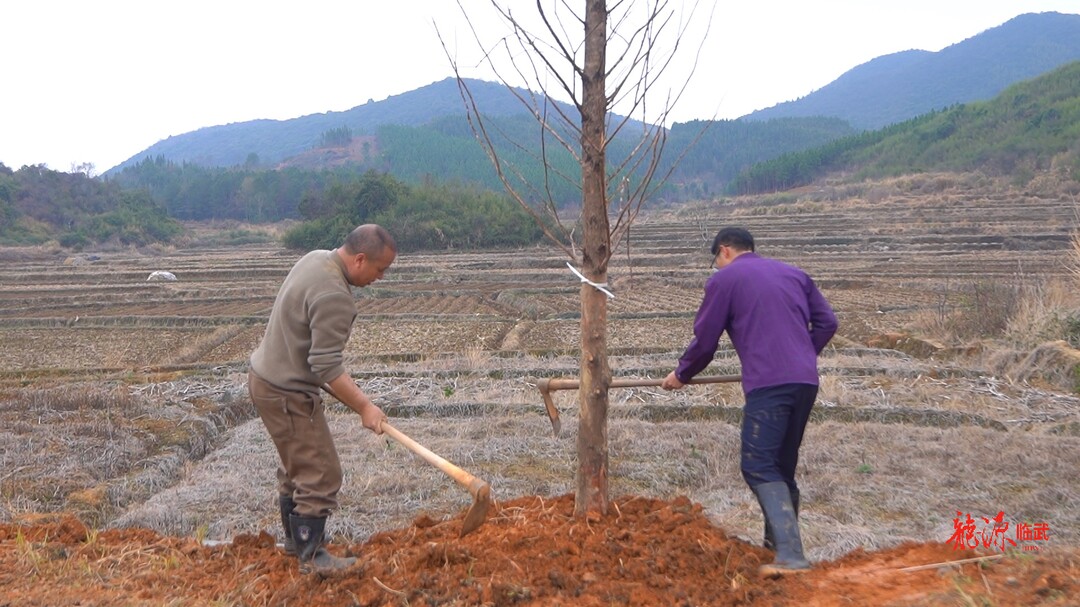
310,470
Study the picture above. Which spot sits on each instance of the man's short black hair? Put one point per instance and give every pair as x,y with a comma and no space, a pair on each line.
736,238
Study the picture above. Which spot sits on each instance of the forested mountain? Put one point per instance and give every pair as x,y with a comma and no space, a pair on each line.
709,154
418,146
38,204
701,156
1030,127
268,142
900,86
1019,132
423,134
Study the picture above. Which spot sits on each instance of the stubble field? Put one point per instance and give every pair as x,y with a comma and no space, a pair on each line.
950,390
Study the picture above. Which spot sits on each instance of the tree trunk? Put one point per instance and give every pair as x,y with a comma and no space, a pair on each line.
592,474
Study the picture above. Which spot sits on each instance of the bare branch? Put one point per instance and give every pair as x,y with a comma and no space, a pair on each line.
476,122
633,70
529,42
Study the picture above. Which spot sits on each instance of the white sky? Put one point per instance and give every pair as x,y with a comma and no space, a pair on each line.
99,81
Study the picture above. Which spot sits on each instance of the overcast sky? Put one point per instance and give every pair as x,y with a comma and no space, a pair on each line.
99,81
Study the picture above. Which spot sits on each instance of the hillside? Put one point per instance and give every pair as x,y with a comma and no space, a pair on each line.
903,85
275,140
423,132
38,204
1029,128
710,154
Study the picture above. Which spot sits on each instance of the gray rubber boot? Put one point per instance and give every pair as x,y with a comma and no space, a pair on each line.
309,535
769,543
287,505
776,505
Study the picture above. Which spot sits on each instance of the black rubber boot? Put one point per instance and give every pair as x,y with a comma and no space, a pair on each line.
309,535
777,506
287,505
769,543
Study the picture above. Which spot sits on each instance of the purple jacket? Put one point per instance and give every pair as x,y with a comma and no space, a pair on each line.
776,317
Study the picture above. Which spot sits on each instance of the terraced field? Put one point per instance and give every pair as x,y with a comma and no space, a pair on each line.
912,425
882,264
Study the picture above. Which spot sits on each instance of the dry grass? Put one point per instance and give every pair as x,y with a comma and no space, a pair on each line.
972,310
1054,364
1045,312
900,441
1042,335
1074,264
864,484
1026,330
1025,309
198,348
95,448
97,347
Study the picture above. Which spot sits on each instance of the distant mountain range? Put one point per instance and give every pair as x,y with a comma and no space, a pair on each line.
275,140
1027,131
903,85
884,91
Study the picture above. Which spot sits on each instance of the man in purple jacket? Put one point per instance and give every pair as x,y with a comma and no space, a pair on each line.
778,322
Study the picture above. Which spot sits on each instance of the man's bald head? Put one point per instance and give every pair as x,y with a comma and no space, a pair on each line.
371,240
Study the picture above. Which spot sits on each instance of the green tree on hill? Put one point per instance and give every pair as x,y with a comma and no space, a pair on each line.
338,137
38,204
427,216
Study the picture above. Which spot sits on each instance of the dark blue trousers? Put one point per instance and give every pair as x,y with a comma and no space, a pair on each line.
774,419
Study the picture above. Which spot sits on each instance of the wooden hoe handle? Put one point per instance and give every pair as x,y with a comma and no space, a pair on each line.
480,490
548,384
470,482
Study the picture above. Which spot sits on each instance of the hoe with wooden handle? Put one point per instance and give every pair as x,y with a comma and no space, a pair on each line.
547,384
480,490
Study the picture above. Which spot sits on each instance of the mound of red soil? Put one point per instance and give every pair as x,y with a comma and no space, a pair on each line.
531,551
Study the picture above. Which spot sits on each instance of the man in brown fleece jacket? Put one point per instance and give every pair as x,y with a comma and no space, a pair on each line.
303,348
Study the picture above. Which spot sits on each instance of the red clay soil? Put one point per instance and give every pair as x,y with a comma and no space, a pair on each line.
531,551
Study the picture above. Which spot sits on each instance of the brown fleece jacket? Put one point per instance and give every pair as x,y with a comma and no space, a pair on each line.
309,326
